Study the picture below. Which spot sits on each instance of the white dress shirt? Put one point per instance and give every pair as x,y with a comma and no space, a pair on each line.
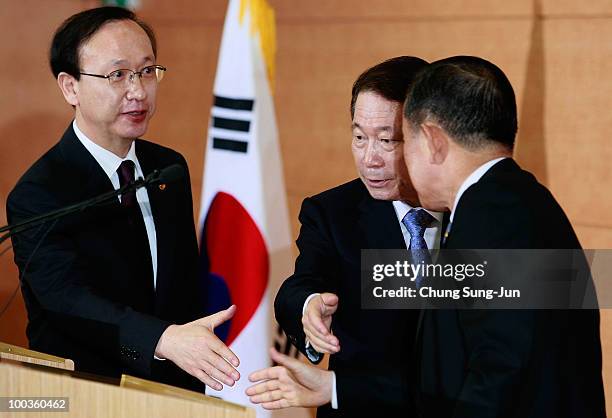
432,238
110,163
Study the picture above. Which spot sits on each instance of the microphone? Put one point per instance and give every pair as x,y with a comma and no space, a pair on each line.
169,174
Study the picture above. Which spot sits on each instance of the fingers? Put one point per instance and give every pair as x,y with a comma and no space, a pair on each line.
315,327
267,396
318,316
275,404
280,404
217,346
267,393
263,387
264,374
215,343
211,370
205,356
291,384
207,380
321,344
313,318
219,375
219,363
215,366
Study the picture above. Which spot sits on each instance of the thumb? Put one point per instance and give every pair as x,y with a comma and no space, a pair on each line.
292,364
220,317
329,299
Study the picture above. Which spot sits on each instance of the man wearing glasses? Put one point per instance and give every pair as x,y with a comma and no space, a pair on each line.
109,286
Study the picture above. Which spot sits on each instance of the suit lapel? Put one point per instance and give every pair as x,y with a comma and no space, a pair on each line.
163,226
82,178
378,225
84,169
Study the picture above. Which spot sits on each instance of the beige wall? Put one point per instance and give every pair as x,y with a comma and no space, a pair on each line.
557,54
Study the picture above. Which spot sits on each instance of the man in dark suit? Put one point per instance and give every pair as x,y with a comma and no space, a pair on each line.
110,286
319,306
459,130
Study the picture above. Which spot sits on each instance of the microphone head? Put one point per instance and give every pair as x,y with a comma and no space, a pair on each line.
169,174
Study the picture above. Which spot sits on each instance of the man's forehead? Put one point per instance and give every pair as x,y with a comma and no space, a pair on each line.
381,125
118,43
386,120
117,32
372,99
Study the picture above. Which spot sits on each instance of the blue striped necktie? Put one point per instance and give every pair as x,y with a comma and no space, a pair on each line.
416,222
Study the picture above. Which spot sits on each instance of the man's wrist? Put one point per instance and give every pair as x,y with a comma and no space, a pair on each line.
160,348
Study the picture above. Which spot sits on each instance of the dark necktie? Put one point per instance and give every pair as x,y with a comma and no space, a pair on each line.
416,222
141,285
126,175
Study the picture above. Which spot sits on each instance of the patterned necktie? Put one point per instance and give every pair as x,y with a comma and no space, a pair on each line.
416,222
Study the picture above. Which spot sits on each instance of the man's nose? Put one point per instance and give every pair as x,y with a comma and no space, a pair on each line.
136,88
372,155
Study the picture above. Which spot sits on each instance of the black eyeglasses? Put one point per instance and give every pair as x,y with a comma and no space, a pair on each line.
123,76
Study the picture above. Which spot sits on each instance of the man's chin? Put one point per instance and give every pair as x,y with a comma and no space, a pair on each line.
383,194
133,132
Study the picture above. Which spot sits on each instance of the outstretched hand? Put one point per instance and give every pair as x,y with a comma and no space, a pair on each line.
195,348
292,383
317,320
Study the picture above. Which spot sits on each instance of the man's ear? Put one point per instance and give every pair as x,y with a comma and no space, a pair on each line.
69,87
437,140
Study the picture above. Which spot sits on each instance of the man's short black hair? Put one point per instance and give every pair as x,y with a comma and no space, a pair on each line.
469,97
77,29
389,79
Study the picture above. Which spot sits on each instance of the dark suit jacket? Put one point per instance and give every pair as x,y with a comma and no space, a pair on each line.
372,365
510,363
80,284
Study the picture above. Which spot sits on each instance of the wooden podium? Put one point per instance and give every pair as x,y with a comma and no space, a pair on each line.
29,374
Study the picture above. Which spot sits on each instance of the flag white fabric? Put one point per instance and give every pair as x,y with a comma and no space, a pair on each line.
243,210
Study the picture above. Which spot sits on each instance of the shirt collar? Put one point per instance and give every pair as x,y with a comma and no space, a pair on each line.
473,178
106,159
402,208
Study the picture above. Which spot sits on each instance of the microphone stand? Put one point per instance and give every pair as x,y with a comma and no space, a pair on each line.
77,207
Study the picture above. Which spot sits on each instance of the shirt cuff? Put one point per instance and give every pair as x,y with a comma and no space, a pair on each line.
308,299
334,397
158,358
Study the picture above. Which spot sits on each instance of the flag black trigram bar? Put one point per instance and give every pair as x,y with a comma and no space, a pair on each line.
231,123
